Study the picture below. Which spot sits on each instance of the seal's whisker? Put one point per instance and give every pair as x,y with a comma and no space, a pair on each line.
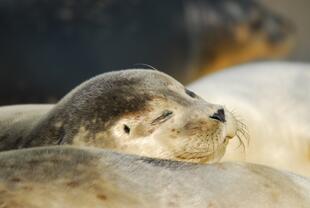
242,131
241,123
236,116
243,128
243,134
147,65
212,145
241,143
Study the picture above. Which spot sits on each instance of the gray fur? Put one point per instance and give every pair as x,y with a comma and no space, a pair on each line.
18,121
102,99
83,177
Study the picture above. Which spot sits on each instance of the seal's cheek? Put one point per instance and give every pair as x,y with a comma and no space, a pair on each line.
205,128
131,128
142,130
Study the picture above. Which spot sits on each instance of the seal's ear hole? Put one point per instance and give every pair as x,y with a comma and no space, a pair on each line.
126,129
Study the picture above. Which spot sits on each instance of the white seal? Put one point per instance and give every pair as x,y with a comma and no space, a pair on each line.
273,100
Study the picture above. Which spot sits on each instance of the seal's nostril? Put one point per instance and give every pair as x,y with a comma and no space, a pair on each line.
219,115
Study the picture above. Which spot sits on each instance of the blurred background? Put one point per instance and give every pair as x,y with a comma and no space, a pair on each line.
47,47
297,12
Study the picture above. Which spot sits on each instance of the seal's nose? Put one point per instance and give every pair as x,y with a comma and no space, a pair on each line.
219,115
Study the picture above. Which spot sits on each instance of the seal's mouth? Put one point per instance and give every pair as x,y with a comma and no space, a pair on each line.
203,157
237,130
234,129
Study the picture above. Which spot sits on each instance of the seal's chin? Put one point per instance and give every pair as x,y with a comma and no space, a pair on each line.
218,153
204,156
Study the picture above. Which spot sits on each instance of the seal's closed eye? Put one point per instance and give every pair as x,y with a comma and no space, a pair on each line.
190,93
163,117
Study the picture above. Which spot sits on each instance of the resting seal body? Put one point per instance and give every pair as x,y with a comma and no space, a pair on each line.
143,112
72,177
44,40
272,99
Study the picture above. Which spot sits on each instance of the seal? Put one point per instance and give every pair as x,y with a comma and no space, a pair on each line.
144,112
91,177
272,99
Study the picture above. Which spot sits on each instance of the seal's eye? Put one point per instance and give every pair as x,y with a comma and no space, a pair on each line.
126,129
190,93
163,117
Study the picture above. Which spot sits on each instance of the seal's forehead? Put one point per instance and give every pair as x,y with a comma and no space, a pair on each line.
142,78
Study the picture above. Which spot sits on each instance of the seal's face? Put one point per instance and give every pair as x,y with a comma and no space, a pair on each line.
196,132
148,113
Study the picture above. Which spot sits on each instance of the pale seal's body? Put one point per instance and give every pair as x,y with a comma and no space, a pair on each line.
144,112
273,100
64,177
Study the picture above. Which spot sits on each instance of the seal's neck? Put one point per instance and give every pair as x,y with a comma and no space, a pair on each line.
18,124
49,130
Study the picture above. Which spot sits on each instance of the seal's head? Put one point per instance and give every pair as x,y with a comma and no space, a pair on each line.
144,112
